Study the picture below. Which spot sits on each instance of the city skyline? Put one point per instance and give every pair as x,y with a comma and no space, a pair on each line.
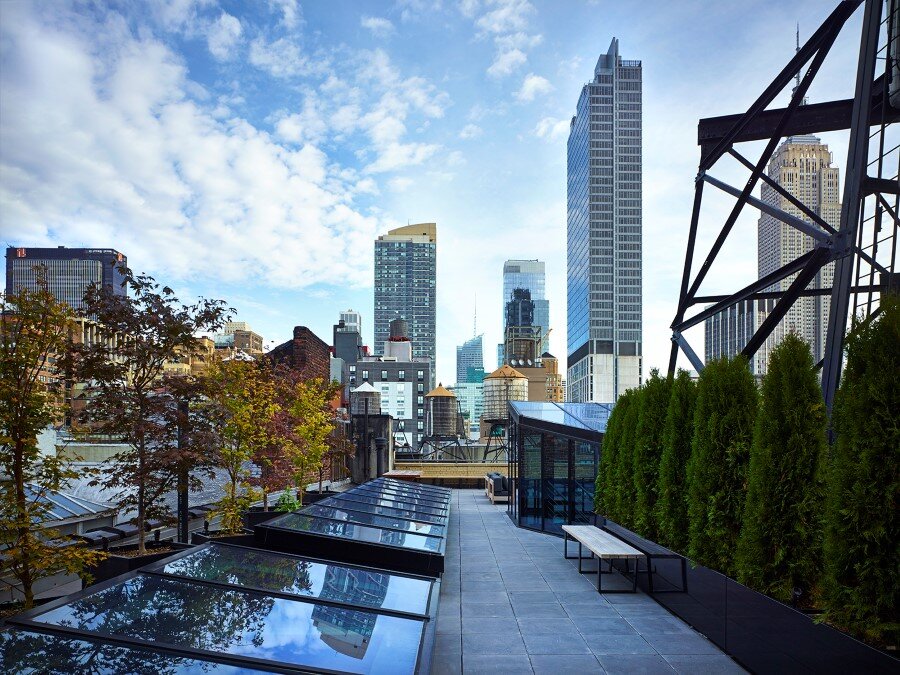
259,152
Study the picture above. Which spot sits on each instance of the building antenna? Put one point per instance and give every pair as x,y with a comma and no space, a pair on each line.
797,76
475,320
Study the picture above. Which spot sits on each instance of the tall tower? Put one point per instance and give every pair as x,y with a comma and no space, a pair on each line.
405,280
604,233
528,275
802,166
470,361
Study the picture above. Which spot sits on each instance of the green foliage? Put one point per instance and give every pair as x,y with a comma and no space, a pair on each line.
716,473
654,396
287,502
623,473
862,532
33,334
678,430
605,498
781,538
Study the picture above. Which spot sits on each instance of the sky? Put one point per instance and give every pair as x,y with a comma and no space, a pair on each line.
252,151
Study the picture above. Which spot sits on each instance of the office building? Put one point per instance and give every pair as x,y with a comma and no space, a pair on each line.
70,271
802,166
402,380
405,286
528,275
604,233
352,321
236,336
469,360
470,396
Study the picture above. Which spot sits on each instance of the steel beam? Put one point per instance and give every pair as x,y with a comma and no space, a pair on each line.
774,211
857,159
812,118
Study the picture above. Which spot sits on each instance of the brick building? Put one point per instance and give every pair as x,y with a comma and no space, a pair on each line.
305,353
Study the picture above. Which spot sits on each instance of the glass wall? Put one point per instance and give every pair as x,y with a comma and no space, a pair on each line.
554,478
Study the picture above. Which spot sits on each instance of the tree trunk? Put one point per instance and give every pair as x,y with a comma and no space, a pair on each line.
24,574
141,495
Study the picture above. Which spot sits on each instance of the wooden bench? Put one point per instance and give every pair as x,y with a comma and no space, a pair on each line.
603,546
651,551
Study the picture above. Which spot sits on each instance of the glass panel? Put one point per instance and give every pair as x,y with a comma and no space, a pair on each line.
585,461
374,501
415,486
376,520
157,609
383,510
27,652
288,574
333,528
530,480
555,467
428,501
397,489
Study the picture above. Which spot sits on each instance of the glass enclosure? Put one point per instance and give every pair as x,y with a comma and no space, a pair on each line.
554,454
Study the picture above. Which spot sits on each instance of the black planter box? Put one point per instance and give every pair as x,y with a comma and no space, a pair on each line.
114,564
239,539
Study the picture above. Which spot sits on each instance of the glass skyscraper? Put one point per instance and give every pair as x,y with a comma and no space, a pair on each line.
528,275
469,360
70,271
604,233
405,279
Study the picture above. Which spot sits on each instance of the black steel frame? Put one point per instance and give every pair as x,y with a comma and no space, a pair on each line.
869,184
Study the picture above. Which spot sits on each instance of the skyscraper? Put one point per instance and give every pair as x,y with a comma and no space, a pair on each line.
802,166
528,275
405,280
604,233
69,271
469,359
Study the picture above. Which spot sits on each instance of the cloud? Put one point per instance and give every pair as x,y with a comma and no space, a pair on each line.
280,58
106,147
400,184
506,16
533,86
379,27
552,129
506,62
223,36
470,131
290,12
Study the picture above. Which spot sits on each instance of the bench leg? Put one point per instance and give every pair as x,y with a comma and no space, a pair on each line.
627,571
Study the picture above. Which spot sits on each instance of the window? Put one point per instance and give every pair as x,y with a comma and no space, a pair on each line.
401,375
401,425
420,388
420,425
352,368
421,400
365,375
421,413
420,375
384,375
401,389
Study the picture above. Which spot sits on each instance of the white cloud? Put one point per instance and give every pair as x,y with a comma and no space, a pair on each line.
110,150
506,16
307,126
378,26
506,62
533,86
552,129
223,35
281,58
470,131
469,8
400,184
290,12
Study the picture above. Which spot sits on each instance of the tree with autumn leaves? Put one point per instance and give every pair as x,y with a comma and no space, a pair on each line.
33,334
275,431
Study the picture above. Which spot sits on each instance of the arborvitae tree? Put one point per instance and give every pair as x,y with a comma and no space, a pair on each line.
604,488
624,469
862,531
671,503
720,449
648,450
781,538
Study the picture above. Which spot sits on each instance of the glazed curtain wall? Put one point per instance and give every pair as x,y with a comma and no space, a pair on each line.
555,476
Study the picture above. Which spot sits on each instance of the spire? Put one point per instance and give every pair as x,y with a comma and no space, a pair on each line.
797,76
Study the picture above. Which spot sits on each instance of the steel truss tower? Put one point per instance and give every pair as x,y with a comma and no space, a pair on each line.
864,246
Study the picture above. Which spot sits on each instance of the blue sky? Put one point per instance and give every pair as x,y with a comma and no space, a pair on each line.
253,151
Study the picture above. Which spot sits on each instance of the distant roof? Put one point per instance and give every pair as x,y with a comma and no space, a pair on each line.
64,506
440,390
365,388
547,355
580,416
505,371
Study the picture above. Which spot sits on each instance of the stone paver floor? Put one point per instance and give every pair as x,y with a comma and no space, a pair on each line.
510,603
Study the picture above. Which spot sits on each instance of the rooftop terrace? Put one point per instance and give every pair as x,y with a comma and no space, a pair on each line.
511,603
